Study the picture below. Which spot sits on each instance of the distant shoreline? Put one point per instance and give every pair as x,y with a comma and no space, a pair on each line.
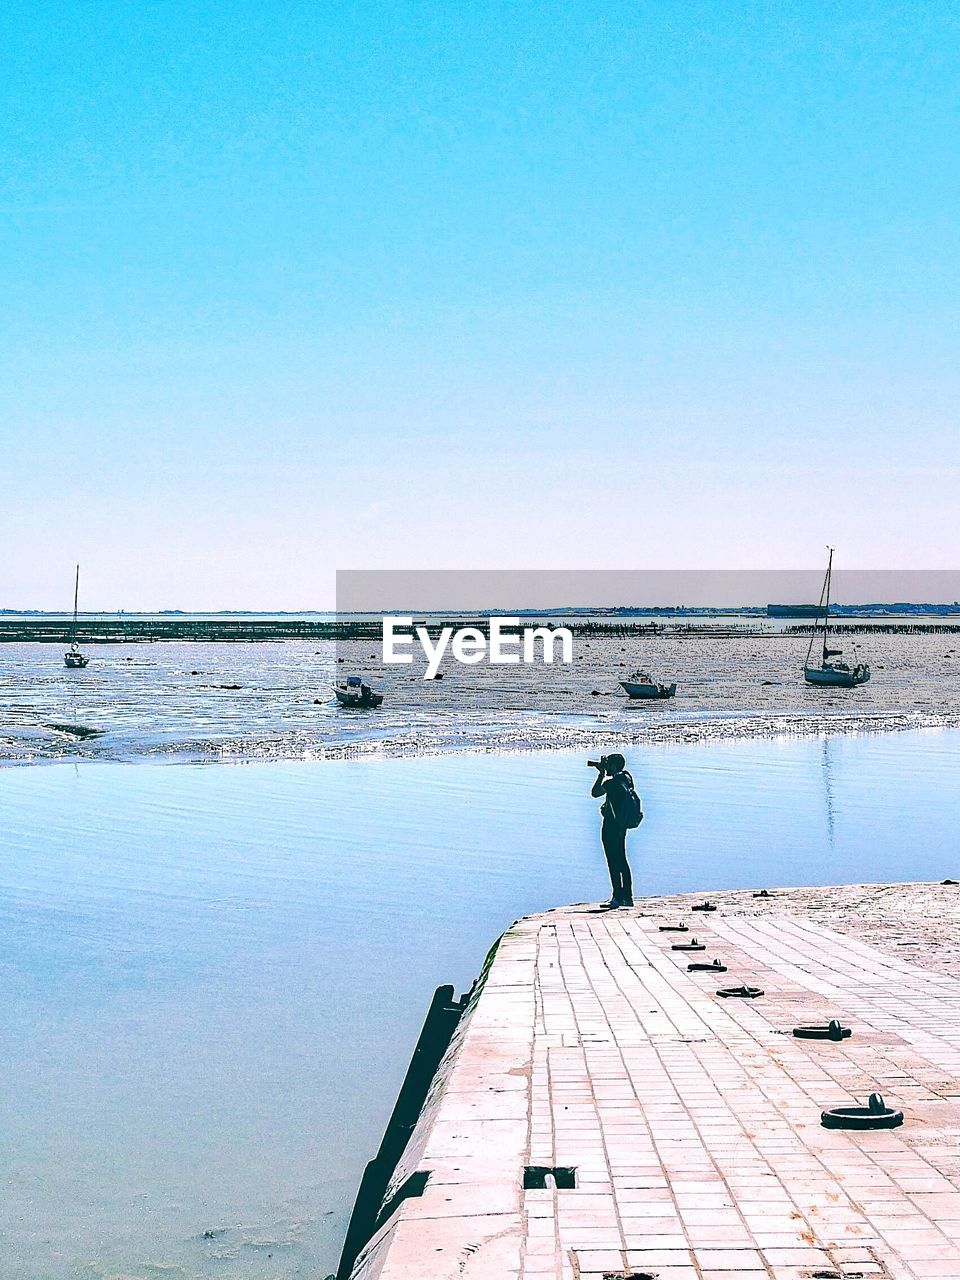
875,609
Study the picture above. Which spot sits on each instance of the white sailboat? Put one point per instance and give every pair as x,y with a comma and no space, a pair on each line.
831,669
73,658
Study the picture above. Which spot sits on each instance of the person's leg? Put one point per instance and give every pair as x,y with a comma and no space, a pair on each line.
626,894
608,838
620,867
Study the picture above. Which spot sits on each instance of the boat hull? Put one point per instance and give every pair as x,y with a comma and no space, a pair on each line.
75,661
647,692
830,677
348,699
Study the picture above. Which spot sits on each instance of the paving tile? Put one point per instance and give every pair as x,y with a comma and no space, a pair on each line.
694,1122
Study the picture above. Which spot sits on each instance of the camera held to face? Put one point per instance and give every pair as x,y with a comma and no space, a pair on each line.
609,764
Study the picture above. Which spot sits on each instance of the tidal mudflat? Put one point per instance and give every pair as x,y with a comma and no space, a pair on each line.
212,976
274,701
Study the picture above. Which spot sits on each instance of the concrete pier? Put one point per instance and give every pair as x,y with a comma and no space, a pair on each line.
602,1112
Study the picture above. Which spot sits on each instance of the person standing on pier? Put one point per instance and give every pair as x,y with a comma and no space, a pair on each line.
621,812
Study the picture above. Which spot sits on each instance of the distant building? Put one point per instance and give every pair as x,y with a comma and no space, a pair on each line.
792,610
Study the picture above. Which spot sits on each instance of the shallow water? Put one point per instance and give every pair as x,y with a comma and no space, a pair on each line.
273,700
211,977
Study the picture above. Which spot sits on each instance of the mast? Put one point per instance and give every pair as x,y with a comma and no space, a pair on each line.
824,598
76,596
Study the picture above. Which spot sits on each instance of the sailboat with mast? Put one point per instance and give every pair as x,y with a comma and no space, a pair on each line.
73,658
830,669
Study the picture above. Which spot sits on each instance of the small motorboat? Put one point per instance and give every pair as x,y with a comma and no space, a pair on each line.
642,685
831,670
352,692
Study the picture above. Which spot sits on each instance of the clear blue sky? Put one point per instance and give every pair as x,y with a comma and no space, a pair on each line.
297,287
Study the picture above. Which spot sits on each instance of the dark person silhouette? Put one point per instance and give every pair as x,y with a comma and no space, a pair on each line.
621,810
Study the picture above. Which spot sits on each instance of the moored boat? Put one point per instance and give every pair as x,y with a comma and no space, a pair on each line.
831,671
839,675
642,685
74,659
353,692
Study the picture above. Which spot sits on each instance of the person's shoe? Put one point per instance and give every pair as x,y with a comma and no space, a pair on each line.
612,904
625,902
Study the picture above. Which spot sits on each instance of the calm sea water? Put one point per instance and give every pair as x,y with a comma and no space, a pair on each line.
211,977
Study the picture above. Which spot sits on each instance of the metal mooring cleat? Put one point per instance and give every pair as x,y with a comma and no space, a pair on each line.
875,1115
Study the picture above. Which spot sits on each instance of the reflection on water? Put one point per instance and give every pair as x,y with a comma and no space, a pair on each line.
828,792
211,977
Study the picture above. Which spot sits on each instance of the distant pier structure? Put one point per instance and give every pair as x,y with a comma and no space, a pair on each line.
612,1102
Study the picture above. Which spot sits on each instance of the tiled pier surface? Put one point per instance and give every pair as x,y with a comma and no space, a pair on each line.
693,1122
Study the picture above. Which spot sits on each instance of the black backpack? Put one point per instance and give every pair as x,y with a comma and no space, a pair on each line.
627,807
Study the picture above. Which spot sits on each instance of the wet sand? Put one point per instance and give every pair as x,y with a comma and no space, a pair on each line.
273,701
